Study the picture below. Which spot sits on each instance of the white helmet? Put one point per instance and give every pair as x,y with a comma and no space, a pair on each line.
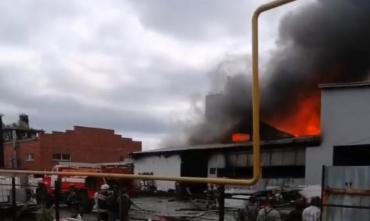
104,187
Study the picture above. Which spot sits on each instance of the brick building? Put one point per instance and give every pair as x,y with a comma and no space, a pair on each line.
82,144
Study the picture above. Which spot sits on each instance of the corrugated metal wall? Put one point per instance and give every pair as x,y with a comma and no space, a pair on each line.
347,180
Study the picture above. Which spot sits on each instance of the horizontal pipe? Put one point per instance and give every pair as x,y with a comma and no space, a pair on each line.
221,181
353,192
346,206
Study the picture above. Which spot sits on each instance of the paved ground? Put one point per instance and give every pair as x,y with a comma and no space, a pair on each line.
159,208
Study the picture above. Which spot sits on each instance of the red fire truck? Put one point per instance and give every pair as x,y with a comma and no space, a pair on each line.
87,186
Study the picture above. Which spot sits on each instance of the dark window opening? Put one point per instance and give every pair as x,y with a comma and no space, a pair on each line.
212,171
194,164
355,155
62,157
56,156
66,157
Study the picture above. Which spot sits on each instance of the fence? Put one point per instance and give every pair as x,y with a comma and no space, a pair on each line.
346,193
21,201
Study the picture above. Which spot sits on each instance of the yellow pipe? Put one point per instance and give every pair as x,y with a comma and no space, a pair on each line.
256,128
255,85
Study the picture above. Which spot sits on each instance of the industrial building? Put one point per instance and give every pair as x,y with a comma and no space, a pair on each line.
82,144
344,140
345,129
283,161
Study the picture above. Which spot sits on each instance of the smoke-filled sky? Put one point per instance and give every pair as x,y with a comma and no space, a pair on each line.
133,66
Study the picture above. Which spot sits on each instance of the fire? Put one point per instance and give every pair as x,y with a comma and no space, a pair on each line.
304,120
240,137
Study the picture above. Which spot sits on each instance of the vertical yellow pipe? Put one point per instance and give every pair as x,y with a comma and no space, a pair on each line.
255,85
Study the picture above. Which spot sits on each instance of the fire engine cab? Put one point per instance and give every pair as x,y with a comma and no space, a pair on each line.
86,186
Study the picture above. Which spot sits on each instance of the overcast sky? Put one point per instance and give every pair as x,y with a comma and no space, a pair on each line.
132,66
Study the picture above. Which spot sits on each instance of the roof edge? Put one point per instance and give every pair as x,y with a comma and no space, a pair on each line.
345,85
307,141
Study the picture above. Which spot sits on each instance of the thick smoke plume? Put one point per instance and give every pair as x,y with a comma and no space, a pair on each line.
325,41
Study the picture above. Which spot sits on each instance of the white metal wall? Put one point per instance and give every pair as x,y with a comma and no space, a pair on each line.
160,165
273,157
345,120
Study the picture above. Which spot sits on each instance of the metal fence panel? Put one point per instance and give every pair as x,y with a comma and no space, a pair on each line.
347,193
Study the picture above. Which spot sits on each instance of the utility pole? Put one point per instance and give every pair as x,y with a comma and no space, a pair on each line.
14,154
2,165
14,166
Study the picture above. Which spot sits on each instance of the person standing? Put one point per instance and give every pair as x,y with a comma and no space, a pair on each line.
210,195
101,199
112,204
268,213
251,209
42,196
124,205
73,201
296,214
312,213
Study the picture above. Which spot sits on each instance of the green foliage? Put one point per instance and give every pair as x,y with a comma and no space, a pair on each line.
45,215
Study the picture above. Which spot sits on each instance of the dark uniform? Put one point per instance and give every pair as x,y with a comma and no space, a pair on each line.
124,206
42,197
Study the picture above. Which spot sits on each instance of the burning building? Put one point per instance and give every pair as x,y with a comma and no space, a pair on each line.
344,141
283,161
345,127
325,41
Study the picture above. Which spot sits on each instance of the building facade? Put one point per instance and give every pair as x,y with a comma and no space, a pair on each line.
345,128
82,144
283,162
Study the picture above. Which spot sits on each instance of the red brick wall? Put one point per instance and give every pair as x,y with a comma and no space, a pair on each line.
90,145
84,144
23,149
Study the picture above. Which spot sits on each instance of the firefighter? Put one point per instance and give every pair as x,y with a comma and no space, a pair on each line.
74,201
113,203
101,199
268,213
211,198
42,197
296,214
124,203
250,210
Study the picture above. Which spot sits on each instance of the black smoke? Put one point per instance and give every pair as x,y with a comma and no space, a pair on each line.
326,41
322,42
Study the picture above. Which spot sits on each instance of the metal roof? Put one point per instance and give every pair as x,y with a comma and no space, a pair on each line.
345,85
306,141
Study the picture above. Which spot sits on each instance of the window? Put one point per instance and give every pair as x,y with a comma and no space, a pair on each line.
56,156
212,170
66,157
353,155
62,157
29,157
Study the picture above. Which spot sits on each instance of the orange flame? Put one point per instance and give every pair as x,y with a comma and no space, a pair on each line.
305,120
240,137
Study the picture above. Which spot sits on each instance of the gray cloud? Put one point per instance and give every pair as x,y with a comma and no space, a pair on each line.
195,19
132,66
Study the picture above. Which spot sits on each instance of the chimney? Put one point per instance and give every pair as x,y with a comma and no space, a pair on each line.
23,121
